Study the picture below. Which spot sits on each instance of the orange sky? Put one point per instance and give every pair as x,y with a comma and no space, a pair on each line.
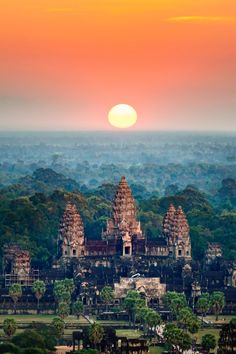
65,63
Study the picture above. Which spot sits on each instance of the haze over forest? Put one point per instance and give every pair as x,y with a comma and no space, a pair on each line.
41,172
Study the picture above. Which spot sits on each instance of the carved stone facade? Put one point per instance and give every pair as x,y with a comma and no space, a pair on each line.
150,288
176,232
124,215
17,266
213,252
71,234
123,236
16,261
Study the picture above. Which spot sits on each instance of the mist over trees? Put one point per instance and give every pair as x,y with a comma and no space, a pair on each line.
40,174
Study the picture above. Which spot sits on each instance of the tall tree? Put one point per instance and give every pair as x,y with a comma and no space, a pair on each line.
217,301
175,301
63,310
58,326
203,304
132,303
96,334
177,338
9,326
107,295
15,292
39,289
78,308
152,318
208,342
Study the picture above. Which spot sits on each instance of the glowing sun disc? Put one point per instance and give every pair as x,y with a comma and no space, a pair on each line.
122,116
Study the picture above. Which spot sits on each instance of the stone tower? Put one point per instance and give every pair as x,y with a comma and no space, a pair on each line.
71,234
176,231
168,222
123,225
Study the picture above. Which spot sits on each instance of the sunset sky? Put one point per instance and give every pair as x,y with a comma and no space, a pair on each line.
65,63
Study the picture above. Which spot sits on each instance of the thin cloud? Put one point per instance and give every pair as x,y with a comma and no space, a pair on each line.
201,19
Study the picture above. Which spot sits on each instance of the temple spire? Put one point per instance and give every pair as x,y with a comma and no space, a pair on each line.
71,234
176,232
123,213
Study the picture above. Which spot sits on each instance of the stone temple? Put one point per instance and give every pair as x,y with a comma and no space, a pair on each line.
123,235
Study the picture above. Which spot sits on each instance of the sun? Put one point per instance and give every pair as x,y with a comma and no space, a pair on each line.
122,116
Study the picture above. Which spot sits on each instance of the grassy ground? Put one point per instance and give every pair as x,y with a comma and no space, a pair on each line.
222,319
129,333
26,319
156,350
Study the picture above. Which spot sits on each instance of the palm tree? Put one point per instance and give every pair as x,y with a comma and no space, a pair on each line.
39,289
9,326
96,334
217,302
78,308
15,292
203,304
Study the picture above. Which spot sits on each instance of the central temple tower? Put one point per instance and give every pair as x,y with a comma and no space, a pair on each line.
123,226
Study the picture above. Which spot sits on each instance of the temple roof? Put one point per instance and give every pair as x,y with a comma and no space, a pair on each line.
71,227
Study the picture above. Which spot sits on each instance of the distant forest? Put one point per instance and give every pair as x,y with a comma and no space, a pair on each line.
39,173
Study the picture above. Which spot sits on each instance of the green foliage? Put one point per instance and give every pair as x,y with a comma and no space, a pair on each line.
63,310
46,331
175,301
132,303
96,334
30,211
9,326
203,304
187,320
176,337
78,308
63,290
148,317
107,295
58,326
34,350
217,302
208,342
39,289
8,347
15,292
29,339
152,318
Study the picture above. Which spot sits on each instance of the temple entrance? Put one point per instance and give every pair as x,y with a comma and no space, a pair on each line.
127,251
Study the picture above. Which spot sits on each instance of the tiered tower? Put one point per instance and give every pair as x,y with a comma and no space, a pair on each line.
168,221
123,225
71,234
176,231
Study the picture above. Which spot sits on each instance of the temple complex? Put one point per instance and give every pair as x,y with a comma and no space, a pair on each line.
123,235
123,258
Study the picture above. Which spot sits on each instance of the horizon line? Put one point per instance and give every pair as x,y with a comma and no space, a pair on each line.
119,131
